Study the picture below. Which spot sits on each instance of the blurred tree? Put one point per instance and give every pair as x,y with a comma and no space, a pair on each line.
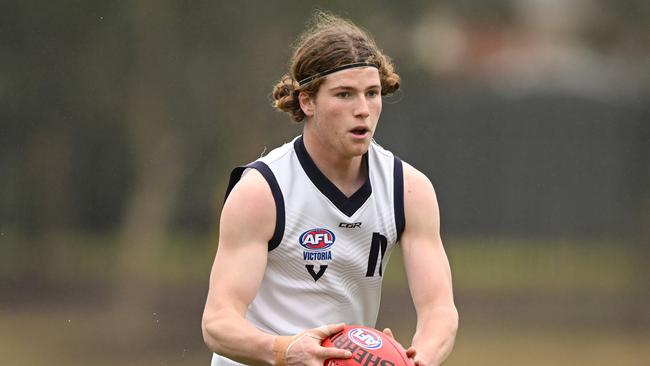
158,159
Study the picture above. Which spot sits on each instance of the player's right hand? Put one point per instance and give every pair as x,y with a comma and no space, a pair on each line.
411,352
304,349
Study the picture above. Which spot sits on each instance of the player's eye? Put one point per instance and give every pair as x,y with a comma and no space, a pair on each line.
343,94
372,93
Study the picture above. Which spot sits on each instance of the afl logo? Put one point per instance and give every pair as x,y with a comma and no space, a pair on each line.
365,338
317,239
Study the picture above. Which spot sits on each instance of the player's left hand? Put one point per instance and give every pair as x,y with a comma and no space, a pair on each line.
411,352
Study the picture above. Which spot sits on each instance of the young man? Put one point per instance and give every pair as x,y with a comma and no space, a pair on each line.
306,231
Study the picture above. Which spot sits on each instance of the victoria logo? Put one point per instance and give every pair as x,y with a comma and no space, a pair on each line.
365,338
317,239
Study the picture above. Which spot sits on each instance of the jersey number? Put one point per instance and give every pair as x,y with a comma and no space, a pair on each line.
378,245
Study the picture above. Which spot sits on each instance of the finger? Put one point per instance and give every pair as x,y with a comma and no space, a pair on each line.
327,352
411,352
328,330
389,332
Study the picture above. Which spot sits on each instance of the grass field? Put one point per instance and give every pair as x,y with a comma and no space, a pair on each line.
78,337
521,303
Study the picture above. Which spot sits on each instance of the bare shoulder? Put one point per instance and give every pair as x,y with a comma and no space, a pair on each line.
251,193
249,208
421,210
416,184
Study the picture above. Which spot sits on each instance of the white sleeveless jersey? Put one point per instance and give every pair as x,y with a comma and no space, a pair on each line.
328,252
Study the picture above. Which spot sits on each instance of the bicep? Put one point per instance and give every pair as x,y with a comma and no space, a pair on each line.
246,225
425,260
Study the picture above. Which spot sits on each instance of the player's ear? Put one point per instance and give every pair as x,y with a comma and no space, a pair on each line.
306,104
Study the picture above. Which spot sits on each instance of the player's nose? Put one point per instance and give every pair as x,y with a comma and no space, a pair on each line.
361,108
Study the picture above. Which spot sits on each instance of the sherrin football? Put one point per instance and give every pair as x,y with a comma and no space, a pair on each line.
368,346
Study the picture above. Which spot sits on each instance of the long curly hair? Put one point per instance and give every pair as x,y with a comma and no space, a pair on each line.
328,42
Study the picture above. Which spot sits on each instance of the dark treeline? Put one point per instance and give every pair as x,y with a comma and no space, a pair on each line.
130,114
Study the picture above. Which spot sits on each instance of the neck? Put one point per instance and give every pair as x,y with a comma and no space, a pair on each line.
347,173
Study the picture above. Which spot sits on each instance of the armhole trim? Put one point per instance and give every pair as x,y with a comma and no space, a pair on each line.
398,197
268,175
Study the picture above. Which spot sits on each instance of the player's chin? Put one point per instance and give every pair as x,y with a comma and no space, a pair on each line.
358,149
359,146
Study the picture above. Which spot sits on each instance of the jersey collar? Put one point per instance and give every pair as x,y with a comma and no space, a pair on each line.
347,205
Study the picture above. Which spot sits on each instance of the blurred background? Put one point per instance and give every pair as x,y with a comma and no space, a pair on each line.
120,122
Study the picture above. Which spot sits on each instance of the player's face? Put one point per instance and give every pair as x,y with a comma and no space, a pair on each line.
344,113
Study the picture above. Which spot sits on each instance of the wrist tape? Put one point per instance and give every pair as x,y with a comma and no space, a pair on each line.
282,344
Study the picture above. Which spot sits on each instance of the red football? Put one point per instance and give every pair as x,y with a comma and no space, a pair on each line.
368,346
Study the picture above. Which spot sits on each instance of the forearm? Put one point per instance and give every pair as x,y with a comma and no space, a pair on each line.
435,334
228,334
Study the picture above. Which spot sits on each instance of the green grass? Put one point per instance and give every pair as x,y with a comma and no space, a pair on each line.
510,264
478,264
59,337
72,256
558,345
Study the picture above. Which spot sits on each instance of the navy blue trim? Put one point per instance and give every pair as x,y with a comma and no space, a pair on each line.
398,196
268,175
235,176
347,205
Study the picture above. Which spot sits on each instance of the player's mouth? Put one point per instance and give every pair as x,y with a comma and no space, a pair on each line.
360,132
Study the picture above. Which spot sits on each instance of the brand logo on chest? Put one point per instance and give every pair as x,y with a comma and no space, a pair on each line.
317,244
317,239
